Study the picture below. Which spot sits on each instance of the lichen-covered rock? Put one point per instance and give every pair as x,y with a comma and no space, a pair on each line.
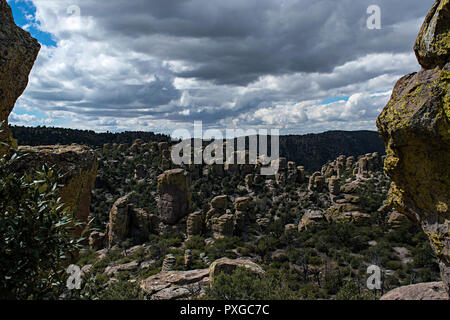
349,163
112,270
187,258
77,163
174,187
432,47
242,213
415,126
333,185
309,217
194,224
243,203
119,221
126,221
420,291
368,164
174,285
168,263
316,182
18,51
300,174
222,226
240,220
225,265
396,219
219,202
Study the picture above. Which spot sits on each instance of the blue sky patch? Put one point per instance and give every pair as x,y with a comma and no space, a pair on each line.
24,13
335,99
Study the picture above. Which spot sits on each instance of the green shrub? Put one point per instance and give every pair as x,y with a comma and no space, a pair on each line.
243,284
122,290
36,242
351,291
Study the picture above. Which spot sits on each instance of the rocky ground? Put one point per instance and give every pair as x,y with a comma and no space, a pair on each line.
166,229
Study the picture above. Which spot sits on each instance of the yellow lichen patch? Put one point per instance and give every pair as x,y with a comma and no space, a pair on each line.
75,191
437,241
442,207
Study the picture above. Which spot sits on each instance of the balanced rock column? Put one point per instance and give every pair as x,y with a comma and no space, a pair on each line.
174,187
18,51
415,126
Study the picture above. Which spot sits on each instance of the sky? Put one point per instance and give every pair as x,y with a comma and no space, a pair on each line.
300,66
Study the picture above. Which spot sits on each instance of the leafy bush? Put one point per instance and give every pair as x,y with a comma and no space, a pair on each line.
36,242
243,284
351,291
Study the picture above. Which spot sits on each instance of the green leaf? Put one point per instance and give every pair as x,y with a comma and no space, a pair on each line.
43,188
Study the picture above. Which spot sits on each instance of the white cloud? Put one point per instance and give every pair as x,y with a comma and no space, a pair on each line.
155,65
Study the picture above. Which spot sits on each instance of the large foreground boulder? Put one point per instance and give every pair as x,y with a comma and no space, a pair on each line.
18,51
415,126
432,47
420,291
78,164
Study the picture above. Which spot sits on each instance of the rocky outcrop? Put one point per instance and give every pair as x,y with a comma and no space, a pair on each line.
217,219
97,240
222,226
119,219
113,270
242,213
348,207
174,285
175,195
18,51
368,164
194,224
168,263
310,217
225,265
126,221
78,164
333,186
415,127
432,47
420,291
316,182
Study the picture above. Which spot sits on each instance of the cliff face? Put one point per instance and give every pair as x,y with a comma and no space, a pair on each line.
415,127
18,51
79,165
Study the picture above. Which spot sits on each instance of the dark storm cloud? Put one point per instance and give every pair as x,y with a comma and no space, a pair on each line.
247,62
235,42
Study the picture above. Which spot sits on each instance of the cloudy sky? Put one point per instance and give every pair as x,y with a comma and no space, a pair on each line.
300,66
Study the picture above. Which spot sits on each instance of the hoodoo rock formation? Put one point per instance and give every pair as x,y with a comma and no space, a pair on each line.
415,127
175,195
18,51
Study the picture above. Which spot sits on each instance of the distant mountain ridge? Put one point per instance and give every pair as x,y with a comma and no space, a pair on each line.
310,150
314,150
37,136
